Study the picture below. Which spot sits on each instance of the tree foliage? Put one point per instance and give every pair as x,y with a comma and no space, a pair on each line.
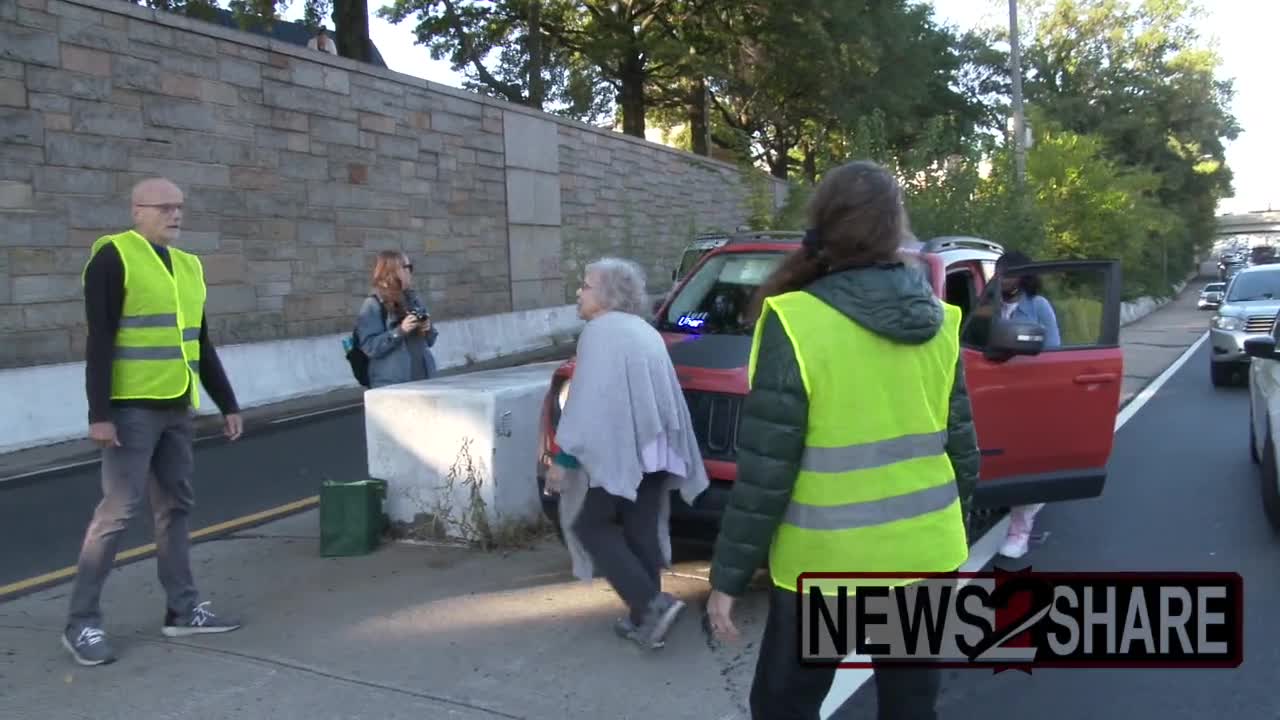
1129,118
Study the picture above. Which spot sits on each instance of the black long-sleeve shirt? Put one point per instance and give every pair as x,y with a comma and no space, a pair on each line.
104,305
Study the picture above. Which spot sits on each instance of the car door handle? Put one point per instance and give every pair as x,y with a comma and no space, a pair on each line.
1094,378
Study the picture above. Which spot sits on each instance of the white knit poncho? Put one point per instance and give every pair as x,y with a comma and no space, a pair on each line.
624,393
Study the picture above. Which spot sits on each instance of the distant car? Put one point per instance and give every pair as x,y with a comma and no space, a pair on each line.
1264,405
1211,295
1247,310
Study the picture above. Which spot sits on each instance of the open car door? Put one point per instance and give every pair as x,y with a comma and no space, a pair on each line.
1044,373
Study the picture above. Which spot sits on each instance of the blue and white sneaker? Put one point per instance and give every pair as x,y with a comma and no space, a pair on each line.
88,645
201,620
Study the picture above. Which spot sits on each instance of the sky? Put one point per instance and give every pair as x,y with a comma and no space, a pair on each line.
1244,31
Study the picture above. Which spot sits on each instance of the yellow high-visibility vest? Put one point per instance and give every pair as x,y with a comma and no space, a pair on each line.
157,348
876,491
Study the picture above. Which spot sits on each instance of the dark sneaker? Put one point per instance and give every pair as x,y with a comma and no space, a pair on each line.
200,621
663,612
627,630
88,645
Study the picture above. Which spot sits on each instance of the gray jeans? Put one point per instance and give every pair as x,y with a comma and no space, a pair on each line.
155,455
622,539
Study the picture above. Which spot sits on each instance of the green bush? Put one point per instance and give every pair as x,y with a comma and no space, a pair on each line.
1079,320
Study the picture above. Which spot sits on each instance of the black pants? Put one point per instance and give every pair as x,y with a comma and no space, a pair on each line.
784,689
622,538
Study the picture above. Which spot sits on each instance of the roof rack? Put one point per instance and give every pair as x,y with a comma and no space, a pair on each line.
952,242
757,235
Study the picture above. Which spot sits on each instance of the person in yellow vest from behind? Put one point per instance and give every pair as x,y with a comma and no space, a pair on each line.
147,347
856,448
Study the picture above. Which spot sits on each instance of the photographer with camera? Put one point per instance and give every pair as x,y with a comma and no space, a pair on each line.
394,327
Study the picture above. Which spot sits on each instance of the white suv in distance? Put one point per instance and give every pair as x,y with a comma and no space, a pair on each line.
1248,310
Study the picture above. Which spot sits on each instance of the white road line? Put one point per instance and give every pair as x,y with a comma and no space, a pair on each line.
326,411
1150,390
202,438
48,470
847,682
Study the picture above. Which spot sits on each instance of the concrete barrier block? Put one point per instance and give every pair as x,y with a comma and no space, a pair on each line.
458,453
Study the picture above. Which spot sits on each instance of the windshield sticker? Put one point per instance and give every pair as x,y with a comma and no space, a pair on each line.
692,320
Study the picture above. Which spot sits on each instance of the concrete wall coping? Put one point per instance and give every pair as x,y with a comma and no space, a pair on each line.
242,37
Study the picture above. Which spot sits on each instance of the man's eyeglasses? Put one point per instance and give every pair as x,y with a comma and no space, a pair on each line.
408,266
166,208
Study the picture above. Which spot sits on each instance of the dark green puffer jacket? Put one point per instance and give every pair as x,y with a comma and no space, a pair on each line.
893,301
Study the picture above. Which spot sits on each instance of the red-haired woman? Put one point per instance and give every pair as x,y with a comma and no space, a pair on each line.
394,326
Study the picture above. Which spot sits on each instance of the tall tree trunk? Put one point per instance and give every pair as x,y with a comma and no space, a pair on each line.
537,86
699,125
351,26
810,163
780,159
632,95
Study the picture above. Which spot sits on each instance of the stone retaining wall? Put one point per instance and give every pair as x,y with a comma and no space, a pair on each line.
298,167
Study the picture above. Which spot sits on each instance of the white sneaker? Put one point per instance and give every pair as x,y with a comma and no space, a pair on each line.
1015,545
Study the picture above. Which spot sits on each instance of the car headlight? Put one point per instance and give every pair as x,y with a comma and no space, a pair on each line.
562,397
1228,322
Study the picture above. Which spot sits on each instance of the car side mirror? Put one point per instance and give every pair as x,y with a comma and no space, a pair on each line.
673,274
1263,348
1009,338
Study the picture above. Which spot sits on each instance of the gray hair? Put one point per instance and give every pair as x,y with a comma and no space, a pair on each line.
622,285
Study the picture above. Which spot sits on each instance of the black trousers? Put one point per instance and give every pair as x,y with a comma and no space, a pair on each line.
622,538
785,689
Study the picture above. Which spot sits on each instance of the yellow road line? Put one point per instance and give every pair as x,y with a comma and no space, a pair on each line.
144,550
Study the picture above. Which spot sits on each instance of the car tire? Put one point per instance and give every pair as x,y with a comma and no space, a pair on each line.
1270,478
1222,374
1253,441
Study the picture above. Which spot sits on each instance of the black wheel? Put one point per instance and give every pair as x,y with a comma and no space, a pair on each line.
1222,374
1270,483
1253,442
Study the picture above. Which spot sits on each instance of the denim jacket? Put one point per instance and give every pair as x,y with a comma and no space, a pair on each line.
391,353
1036,308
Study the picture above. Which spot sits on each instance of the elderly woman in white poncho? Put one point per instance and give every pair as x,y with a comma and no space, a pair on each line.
624,442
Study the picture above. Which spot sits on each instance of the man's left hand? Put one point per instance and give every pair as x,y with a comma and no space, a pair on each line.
234,426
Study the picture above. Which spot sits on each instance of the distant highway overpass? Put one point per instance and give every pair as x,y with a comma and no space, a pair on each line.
1254,223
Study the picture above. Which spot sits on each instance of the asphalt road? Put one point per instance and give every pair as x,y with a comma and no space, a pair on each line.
1181,495
42,522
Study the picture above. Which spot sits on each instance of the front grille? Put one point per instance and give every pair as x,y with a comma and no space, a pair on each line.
1260,324
715,423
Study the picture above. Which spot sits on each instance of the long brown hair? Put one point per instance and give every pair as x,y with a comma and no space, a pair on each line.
856,219
386,279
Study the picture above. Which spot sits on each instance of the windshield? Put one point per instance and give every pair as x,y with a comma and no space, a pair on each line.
691,258
716,298
1214,287
1255,286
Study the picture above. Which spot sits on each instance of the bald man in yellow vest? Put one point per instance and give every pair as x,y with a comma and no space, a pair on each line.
147,347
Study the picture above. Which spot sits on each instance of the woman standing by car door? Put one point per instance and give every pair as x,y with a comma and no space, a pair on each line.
846,466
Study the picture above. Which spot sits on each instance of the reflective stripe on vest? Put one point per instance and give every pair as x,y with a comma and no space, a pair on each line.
876,491
157,352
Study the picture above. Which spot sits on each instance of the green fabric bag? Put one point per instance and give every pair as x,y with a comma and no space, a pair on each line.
352,520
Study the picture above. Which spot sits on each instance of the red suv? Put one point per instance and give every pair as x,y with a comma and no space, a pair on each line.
1044,404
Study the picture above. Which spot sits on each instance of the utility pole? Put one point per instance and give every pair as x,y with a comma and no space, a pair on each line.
1015,72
